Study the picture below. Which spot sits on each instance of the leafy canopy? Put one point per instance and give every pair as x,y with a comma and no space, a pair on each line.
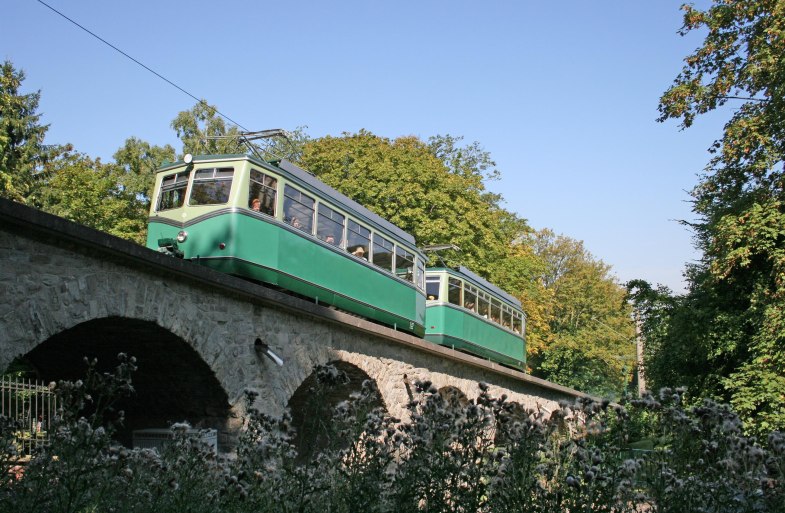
725,338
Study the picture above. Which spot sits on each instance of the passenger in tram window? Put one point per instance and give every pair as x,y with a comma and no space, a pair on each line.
296,223
469,305
330,240
359,252
256,205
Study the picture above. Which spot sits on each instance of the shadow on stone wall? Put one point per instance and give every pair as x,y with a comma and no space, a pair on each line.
172,383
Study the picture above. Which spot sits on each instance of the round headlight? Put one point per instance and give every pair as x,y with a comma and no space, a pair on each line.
182,236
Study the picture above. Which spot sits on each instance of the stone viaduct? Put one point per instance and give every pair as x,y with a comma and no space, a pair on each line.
67,291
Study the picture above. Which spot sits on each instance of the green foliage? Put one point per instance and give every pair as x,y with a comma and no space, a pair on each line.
590,333
88,192
23,154
404,181
203,132
725,337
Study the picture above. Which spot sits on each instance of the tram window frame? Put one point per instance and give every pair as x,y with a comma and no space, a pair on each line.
455,291
496,310
172,195
517,322
483,305
384,257
402,258
263,187
297,202
420,265
211,186
432,292
358,236
470,297
327,224
506,320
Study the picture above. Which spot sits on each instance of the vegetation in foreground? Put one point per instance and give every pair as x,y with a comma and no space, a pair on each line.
487,455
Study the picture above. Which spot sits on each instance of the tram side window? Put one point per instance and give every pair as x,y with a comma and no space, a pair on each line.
496,311
432,286
382,252
211,186
329,226
298,209
483,305
404,264
506,317
262,193
420,274
470,298
516,322
359,239
454,289
172,194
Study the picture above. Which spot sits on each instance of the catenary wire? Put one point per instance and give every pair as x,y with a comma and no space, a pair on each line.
107,43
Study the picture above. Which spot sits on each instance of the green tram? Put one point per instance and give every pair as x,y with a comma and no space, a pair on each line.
466,312
275,223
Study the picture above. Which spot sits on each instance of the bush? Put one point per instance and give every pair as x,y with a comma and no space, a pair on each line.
487,455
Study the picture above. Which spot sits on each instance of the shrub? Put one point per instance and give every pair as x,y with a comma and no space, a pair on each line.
486,455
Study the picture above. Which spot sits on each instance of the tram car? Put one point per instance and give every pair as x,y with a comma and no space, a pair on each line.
468,313
277,224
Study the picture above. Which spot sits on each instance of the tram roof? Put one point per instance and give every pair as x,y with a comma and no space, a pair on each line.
480,282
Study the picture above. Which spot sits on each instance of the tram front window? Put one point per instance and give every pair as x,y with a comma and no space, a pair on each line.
172,194
262,193
211,186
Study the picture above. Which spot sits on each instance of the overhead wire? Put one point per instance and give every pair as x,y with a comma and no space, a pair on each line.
110,45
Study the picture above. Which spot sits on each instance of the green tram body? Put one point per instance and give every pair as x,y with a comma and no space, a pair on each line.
305,238
465,312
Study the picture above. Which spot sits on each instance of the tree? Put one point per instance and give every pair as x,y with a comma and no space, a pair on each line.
404,181
22,149
731,321
203,132
591,334
88,192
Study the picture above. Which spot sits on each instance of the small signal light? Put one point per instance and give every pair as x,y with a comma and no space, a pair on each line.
221,246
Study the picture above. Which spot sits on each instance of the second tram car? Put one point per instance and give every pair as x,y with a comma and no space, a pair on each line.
275,223
468,313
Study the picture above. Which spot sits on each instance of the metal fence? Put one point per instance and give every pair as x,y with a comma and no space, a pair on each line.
32,405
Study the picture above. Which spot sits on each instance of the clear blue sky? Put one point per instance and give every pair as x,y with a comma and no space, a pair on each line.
562,94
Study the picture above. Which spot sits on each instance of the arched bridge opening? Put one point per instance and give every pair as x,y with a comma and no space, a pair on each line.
172,382
313,406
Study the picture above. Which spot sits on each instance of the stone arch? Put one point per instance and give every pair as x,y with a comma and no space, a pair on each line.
173,383
314,402
454,396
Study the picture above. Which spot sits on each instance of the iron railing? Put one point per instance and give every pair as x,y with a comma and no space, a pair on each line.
32,405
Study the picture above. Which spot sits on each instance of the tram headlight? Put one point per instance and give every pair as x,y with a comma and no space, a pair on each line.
182,236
